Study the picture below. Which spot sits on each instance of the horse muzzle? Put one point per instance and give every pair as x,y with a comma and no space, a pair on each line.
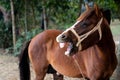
61,38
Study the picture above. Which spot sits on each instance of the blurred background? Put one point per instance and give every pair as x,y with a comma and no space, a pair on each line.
20,20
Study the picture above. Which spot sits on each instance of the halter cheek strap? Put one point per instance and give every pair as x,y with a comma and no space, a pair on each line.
84,36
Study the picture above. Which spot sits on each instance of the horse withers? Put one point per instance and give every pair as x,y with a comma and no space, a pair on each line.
89,42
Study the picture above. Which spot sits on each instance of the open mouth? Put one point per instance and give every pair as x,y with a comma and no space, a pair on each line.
70,48
67,42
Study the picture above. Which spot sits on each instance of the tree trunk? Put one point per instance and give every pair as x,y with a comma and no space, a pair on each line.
13,24
26,24
80,6
44,18
44,15
33,14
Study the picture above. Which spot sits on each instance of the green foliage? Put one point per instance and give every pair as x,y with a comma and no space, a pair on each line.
5,3
5,27
63,13
22,39
5,35
1,33
109,4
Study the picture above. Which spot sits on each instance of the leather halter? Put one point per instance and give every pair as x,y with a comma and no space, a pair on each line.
84,36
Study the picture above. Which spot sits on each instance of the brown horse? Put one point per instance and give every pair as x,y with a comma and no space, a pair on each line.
88,43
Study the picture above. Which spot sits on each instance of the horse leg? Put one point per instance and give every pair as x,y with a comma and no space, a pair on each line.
40,68
40,71
100,79
39,65
107,79
40,75
57,76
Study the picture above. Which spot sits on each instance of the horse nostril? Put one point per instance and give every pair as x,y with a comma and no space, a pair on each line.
63,36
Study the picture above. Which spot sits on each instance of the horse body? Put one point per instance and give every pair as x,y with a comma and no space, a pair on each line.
49,52
44,50
96,58
92,32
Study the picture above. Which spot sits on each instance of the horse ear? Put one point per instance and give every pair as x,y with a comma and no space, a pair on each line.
87,7
96,8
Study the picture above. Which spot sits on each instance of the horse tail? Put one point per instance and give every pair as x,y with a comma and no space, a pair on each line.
24,67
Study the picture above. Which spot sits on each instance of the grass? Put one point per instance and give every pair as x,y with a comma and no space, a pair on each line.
115,27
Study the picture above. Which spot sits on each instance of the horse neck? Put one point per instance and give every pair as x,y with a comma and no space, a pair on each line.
107,41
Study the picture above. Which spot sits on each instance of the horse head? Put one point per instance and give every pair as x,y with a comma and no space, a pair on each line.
85,32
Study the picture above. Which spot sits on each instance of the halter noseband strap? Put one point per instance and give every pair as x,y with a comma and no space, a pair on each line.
84,36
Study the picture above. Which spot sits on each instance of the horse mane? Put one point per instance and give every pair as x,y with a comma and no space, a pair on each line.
85,14
107,15
105,12
107,34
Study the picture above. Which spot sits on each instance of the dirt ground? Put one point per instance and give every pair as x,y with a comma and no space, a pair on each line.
9,67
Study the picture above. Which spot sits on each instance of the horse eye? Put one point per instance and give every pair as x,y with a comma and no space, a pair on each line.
84,24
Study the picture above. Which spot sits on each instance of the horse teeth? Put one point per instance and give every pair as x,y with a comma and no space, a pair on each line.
61,45
67,53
